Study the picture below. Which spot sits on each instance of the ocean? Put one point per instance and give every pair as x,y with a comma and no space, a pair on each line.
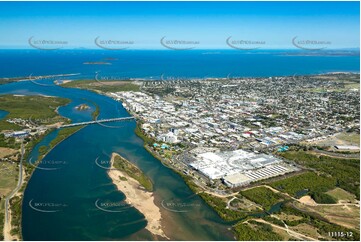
69,195
152,64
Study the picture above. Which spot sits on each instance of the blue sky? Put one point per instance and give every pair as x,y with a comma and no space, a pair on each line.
208,23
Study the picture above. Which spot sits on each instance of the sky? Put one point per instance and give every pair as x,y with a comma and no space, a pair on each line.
203,25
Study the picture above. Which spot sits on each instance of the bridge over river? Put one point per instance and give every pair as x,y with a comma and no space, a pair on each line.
97,121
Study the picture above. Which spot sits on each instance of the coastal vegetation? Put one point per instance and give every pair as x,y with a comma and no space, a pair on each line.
255,231
315,220
138,131
61,135
262,196
335,172
309,181
96,112
133,171
16,212
8,142
104,85
220,206
12,79
35,108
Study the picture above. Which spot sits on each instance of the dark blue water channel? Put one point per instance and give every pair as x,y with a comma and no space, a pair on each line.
61,203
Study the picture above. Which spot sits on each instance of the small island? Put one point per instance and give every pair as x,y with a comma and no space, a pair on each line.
137,188
82,107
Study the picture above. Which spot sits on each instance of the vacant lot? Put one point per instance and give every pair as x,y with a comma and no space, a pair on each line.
8,177
7,151
339,139
347,215
341,195
8,180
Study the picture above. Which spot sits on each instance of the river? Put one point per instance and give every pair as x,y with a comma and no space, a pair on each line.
60,203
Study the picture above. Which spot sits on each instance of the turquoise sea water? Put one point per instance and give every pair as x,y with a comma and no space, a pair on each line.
152,64
67,199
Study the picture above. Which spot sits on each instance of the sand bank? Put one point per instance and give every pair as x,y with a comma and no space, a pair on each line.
139,198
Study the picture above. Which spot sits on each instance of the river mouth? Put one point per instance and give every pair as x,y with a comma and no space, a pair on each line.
61,204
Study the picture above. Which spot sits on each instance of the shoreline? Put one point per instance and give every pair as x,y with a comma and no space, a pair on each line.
141,199
142,79
26,178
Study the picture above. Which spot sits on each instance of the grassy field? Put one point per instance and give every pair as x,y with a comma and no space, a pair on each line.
347,216
124,165
340,194
7,152
353,138
314,221
103,85
8,177
30,107
8,180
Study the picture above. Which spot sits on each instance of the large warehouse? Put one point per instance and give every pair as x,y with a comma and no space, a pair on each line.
239,167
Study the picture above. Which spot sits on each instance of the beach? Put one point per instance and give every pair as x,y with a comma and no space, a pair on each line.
138,197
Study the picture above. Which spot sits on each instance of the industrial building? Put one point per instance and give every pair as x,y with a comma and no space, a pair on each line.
239,167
